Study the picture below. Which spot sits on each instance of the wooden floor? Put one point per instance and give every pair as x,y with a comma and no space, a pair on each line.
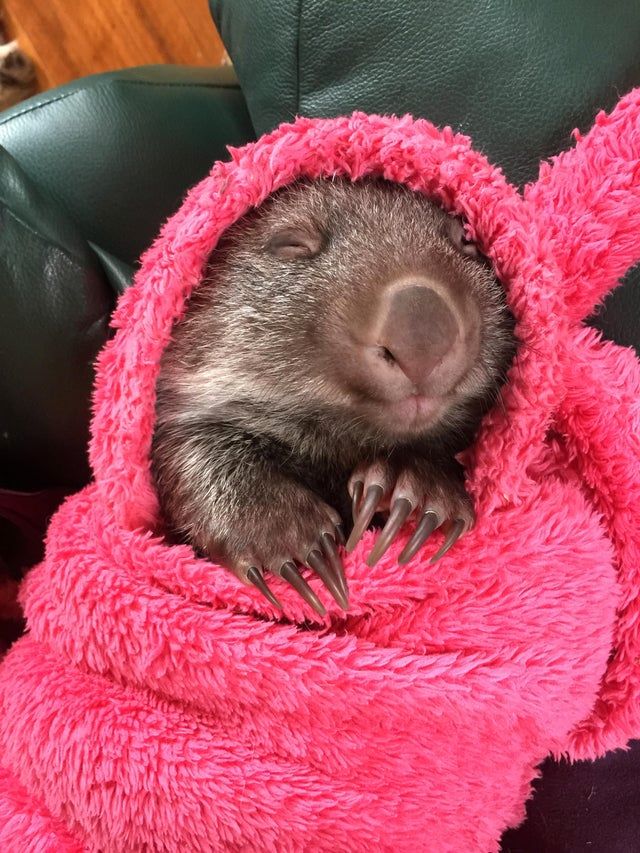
71,38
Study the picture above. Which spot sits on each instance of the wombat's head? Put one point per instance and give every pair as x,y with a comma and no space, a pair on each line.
363,302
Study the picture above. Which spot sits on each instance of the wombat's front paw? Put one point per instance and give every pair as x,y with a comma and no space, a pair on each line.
287,527
436,496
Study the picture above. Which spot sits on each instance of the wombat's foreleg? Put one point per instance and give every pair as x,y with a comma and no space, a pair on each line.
227,491
431,491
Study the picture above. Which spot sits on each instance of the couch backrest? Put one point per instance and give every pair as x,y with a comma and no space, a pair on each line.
516,76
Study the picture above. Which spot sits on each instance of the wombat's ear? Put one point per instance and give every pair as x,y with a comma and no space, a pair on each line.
587,203
457,233
295,242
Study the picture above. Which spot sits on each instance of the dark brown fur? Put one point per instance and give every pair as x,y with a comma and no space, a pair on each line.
265,406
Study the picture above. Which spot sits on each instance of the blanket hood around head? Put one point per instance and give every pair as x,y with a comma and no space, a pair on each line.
157,704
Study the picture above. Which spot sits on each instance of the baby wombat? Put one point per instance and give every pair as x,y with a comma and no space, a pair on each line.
339,352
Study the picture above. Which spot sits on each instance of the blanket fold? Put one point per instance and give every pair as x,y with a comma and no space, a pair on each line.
156,704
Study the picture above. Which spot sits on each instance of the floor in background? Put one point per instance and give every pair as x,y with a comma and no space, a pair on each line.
17,74
71,38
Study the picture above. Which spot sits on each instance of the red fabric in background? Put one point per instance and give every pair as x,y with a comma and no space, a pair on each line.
24,517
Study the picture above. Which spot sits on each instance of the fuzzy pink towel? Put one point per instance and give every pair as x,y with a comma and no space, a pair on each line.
158,705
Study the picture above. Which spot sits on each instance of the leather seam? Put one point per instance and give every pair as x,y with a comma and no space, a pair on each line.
77,261
221,86
37,106
62,97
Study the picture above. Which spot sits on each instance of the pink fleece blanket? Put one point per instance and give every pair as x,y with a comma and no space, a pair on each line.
157,704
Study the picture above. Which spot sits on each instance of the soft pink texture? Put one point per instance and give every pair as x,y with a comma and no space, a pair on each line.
149,708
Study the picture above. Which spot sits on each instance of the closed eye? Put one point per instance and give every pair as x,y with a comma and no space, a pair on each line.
294,243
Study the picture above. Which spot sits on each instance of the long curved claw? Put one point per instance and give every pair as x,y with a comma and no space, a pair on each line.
358,488
455,532
293,576
400,512
331,553
367,511
320,567
340,534
428,523
254,576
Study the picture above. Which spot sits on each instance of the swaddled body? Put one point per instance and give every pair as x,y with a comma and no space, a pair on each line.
339,352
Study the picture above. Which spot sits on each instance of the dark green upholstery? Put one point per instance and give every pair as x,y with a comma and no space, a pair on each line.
516,76
88,173
56,301
118,151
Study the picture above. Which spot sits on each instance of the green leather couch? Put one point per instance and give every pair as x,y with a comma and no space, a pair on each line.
89,171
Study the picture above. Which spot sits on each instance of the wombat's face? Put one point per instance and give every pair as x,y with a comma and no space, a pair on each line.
359,301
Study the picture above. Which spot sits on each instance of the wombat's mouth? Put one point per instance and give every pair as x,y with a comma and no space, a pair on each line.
412,414
419,407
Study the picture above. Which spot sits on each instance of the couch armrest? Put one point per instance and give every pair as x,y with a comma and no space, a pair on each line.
87,175
117,151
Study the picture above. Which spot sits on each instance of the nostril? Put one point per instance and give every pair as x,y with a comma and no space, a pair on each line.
387,355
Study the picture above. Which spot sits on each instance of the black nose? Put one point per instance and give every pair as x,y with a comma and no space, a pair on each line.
417,331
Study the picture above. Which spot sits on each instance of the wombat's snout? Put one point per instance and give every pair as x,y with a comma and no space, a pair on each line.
422,340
